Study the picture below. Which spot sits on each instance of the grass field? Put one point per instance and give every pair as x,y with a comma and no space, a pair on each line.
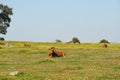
87,61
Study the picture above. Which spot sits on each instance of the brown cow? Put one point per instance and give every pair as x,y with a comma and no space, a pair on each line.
27,44
105,45
55,53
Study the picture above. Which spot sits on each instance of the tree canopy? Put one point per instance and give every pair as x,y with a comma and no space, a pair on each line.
5,19
75,40
104,41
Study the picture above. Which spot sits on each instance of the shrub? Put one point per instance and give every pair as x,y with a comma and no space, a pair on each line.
2,39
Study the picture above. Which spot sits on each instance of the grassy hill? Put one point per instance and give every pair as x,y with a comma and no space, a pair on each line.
87,61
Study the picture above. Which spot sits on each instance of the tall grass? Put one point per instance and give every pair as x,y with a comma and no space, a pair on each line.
87,61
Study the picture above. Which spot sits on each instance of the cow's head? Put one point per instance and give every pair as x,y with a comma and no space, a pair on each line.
51,49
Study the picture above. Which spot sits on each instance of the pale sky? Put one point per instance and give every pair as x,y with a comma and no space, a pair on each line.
48,20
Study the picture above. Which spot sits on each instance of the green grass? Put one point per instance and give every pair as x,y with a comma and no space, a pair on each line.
87,61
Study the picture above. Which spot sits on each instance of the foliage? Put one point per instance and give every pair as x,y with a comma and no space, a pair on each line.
75,40
5,20
104,41
2,39
58,40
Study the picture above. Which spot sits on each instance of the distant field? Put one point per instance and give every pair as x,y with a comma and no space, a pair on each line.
87,61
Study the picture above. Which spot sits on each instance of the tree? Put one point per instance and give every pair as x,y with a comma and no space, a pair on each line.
58,40
5,19
104,41
75,40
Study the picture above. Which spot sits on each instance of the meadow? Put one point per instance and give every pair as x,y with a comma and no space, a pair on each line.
87,61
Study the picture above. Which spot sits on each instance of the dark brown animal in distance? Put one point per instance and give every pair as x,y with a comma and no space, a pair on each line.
27,44
105,45
55,53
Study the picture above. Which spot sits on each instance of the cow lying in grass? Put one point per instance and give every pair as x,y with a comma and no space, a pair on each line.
55,53
27,44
